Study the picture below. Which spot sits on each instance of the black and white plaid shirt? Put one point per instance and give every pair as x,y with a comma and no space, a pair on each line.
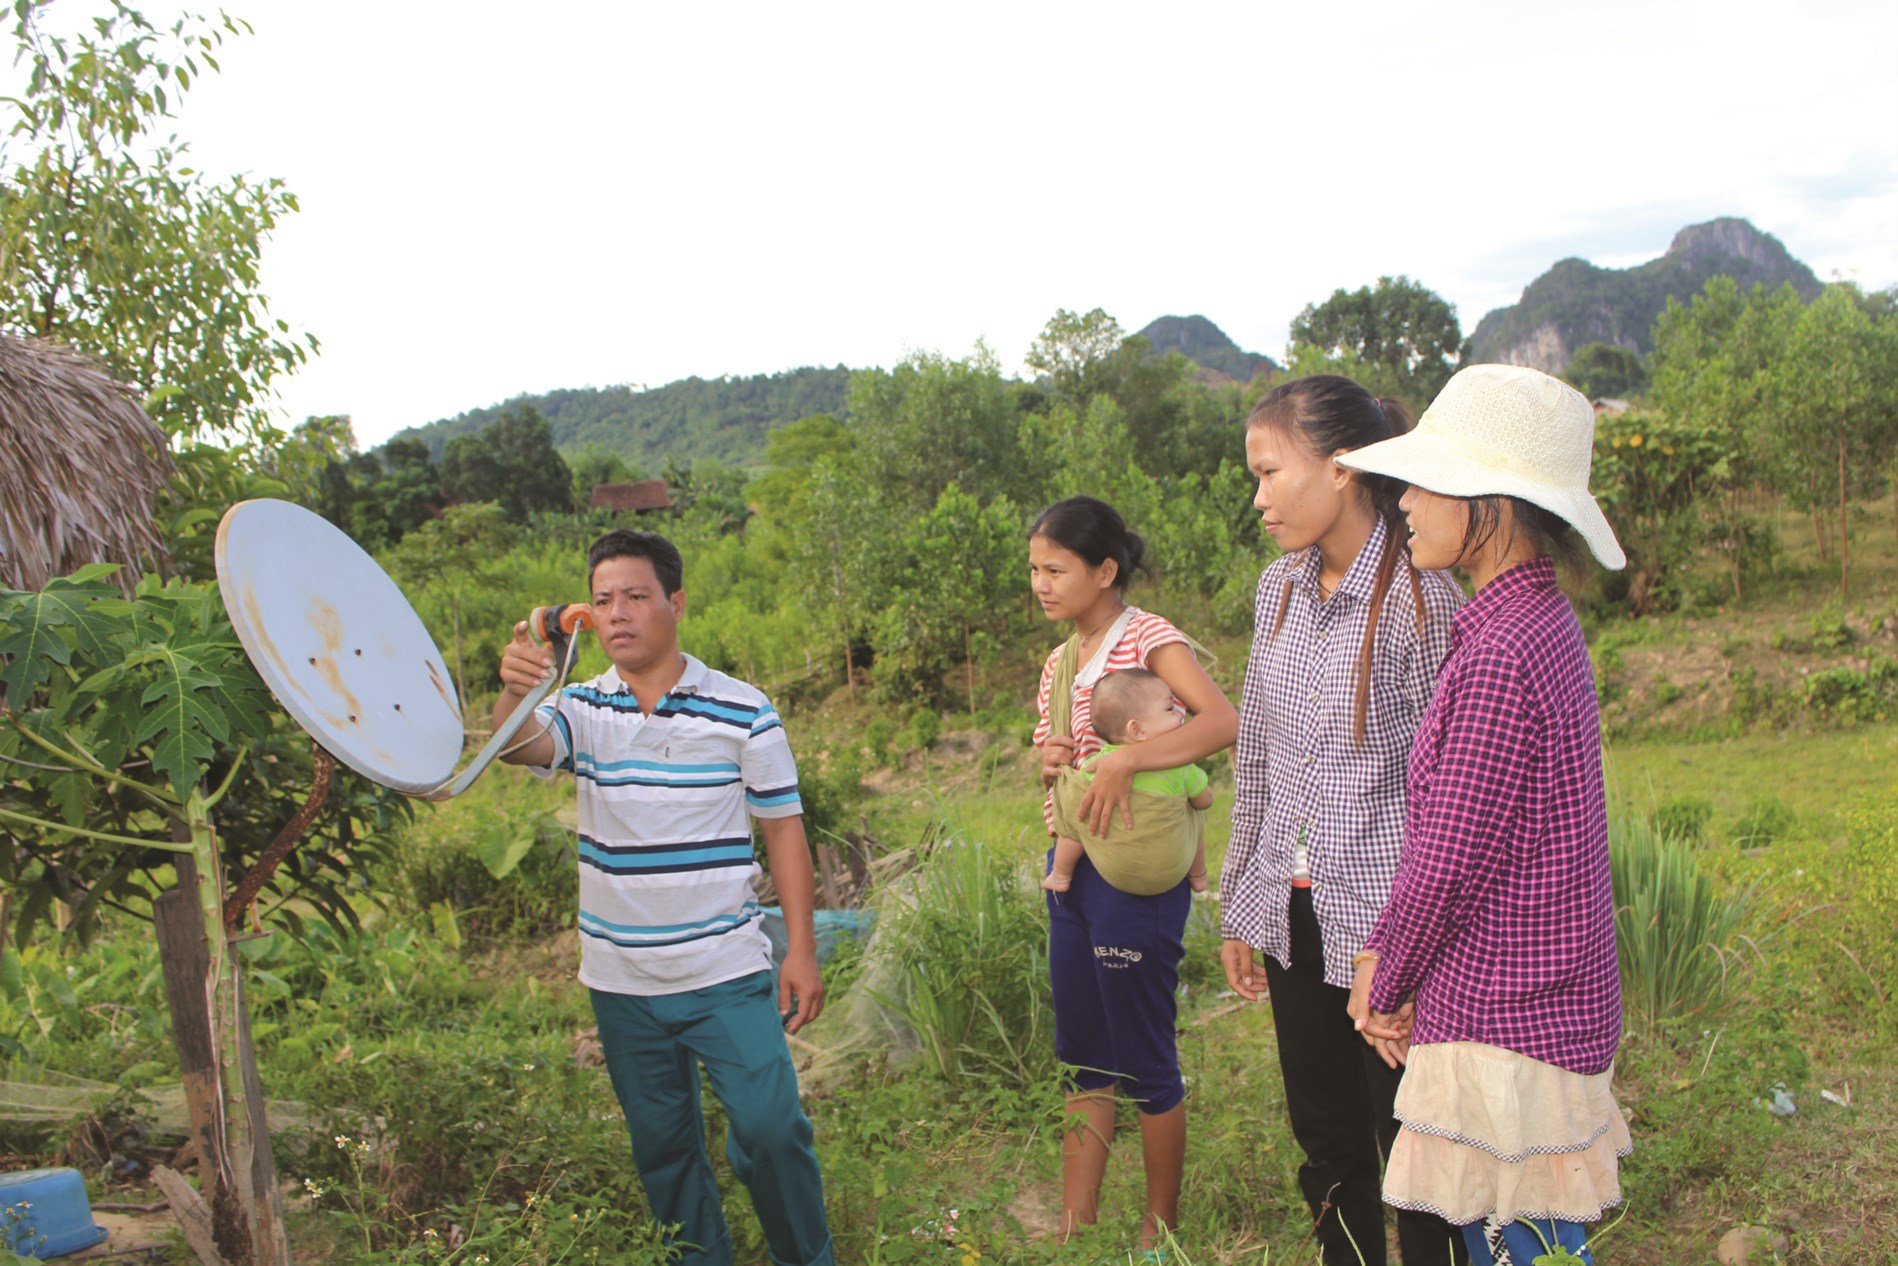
1298,767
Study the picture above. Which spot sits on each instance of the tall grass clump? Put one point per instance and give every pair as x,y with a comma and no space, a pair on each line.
971,966
1676,937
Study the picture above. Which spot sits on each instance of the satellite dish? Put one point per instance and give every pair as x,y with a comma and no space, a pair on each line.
345,653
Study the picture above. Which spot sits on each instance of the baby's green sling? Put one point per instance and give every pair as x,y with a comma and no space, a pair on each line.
1153,855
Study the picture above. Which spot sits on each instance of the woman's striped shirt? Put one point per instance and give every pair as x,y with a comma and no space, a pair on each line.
1141,634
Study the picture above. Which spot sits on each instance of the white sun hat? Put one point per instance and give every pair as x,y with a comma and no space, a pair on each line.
1503,430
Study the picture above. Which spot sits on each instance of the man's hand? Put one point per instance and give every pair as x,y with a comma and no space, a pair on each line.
1111,789
1242,970
523,664
1056,755
789,855
802,985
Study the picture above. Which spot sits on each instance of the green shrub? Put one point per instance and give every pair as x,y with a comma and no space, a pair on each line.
879,734
925,727
1848,695
971,978
1830,632
1683,818
1677,940
1766,821
497,858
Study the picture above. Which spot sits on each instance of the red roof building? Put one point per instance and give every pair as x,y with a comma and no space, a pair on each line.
637,495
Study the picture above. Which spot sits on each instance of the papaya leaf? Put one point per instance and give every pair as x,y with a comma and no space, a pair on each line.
41,630
182,722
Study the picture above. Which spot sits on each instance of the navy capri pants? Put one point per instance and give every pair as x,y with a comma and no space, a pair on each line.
1115,963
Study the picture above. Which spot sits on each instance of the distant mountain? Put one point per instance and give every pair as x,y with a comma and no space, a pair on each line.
724,419
1575,302
1206,345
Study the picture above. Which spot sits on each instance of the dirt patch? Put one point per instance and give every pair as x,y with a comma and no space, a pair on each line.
1037,1206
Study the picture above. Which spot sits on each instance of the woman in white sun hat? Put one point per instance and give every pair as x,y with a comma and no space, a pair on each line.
1492,969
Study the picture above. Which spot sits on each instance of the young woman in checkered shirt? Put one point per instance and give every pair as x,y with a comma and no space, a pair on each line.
1492,970
1348,641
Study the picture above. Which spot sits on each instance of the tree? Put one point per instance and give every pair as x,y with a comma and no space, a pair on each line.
930,422
1711,375
512,463
1660,477
447,554
835,537
125,725
593,466
1599,370
961,583
1073,352
1834,390
121,248
1404,332
401,491
791,453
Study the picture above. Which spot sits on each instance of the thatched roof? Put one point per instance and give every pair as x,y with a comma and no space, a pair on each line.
635,494
80,464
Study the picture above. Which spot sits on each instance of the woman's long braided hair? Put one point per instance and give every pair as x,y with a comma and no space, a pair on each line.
1325,413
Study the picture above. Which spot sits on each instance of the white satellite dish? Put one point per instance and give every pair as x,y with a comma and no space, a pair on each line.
345,653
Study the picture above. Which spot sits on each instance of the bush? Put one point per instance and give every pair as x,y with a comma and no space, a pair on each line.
1766,821
971,976
879,734
497,858
1676,939
925,727
1683,818
1847,695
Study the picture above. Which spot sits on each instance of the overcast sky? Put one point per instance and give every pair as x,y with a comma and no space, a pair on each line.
508,198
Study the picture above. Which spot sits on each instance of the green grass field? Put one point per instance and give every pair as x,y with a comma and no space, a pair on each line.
449,1045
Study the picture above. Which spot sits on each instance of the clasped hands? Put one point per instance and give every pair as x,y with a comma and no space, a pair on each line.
1388,1033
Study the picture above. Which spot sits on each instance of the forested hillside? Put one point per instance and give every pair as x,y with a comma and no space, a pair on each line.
1576,303
727,419
695,419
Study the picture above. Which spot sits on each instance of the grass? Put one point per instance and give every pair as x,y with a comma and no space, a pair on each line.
1680,942
469,1069
1812,773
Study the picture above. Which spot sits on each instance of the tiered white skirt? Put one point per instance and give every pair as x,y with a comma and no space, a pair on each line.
1492,1133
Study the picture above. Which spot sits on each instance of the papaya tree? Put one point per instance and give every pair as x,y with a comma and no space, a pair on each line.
136,740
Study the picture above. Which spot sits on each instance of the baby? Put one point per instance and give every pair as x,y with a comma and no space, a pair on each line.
1132,706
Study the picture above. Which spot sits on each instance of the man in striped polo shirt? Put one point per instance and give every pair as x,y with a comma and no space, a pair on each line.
672,761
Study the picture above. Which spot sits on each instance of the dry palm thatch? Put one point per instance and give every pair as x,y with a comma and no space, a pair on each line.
80,464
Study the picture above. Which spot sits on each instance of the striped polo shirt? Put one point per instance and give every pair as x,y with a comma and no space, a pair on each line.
666,802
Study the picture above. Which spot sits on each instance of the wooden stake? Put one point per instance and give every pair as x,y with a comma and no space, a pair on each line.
189,1208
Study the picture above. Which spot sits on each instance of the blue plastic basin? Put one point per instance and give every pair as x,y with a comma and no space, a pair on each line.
46,1214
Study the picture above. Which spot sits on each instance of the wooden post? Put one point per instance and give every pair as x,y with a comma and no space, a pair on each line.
827,870
183,954
211,1029
268,1235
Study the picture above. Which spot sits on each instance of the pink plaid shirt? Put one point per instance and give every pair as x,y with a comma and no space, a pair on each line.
1501,920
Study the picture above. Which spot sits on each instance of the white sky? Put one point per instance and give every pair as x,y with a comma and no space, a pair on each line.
507,198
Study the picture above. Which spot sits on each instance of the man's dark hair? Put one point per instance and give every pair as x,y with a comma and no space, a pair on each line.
654,548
